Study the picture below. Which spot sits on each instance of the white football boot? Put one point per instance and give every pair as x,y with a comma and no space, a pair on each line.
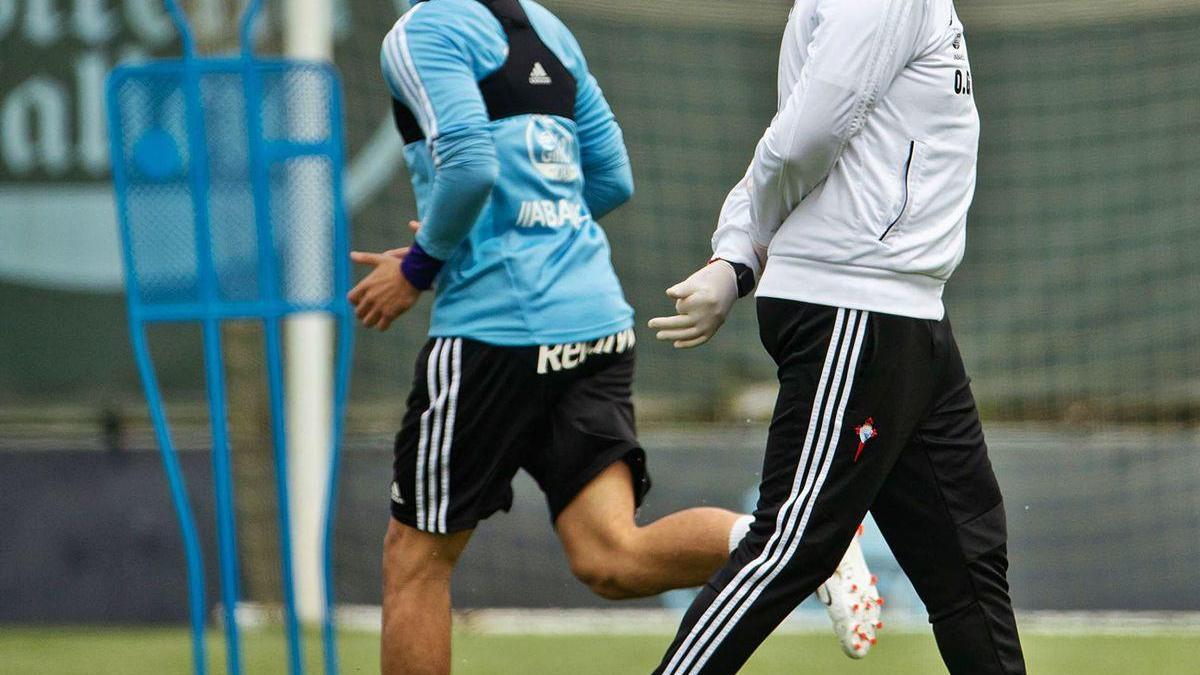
853,602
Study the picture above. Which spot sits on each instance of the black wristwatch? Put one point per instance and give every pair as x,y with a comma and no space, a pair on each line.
745,277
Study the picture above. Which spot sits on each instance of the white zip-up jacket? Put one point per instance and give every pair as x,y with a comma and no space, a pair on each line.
859,190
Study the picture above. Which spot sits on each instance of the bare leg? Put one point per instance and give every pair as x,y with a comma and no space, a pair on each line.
416,599
619,560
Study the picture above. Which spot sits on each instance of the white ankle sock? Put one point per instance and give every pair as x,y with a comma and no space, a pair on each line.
741,527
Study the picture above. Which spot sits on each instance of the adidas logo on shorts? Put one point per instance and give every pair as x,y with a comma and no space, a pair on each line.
539,76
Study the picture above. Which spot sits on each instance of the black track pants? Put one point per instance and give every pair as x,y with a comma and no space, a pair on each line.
875,413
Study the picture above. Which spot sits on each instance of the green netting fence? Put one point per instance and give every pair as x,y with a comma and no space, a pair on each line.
1079,297
1080,291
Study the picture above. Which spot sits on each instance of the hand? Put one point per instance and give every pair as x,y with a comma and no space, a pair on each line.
702,302
384,294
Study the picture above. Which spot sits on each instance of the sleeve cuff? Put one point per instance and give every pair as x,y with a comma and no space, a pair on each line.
420,268
744,275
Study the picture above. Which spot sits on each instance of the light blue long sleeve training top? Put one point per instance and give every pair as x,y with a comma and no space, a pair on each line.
510,204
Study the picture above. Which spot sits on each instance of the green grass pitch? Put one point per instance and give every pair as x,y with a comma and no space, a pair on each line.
101,651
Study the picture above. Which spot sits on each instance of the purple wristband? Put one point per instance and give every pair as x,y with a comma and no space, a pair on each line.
420,268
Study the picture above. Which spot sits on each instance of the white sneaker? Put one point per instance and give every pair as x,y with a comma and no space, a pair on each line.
853,602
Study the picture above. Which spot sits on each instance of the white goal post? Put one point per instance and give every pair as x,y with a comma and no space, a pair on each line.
309,342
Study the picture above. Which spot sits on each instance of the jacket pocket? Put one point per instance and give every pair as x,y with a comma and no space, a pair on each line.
907,179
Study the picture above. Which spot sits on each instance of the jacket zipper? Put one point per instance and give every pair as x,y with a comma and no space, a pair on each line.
912,148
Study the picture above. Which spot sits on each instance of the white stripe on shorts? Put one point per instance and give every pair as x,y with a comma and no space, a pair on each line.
432,467
431,388
448,439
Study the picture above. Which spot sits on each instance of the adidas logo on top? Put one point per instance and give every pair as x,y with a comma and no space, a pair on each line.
539,75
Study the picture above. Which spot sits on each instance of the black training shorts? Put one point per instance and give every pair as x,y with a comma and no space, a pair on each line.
478,413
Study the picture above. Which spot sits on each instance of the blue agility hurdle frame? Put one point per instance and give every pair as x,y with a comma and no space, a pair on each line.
176,154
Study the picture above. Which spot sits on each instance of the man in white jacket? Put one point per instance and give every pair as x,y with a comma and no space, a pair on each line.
850,220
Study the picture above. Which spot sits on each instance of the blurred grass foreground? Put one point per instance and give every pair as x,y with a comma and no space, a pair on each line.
66,651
